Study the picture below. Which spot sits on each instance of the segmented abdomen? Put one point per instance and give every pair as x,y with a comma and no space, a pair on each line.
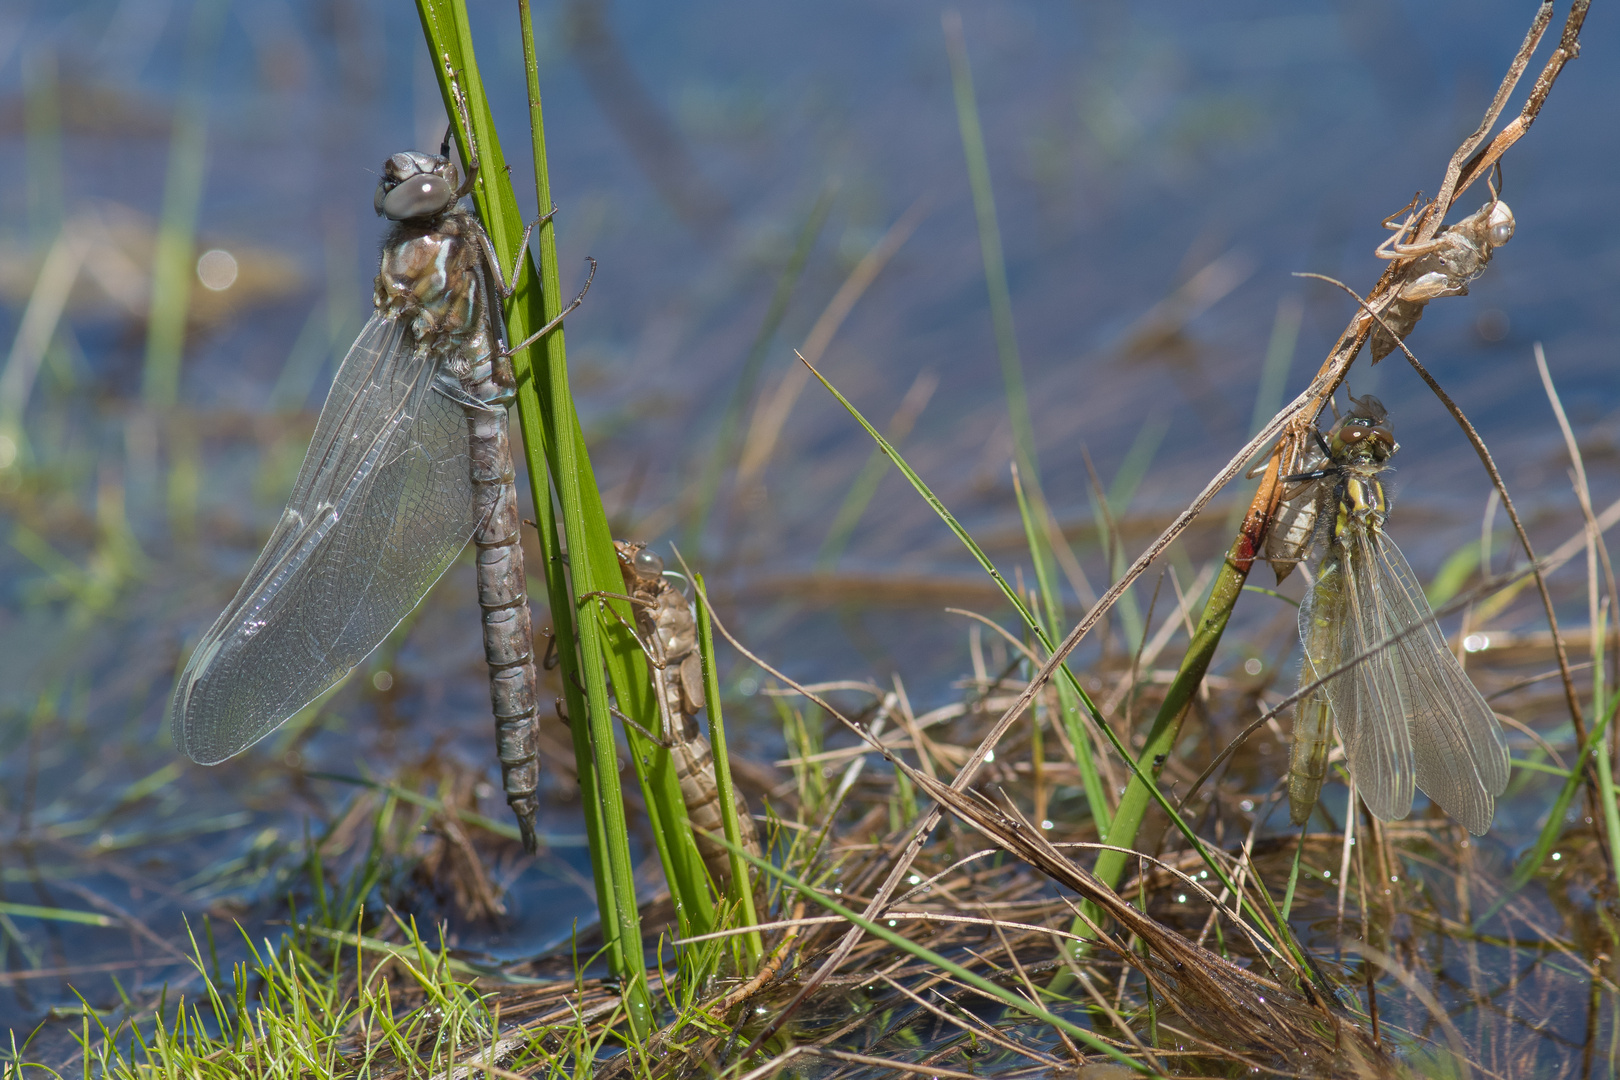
694,768
1319,630
504,600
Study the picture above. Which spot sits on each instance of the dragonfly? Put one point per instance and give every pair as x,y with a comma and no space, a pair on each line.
667,631
1406,712
410,459
1442,266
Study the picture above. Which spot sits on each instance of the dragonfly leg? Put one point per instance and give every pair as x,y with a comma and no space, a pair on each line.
554,323
507,284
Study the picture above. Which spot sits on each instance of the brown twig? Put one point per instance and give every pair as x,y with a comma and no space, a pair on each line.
1569,47
1436,212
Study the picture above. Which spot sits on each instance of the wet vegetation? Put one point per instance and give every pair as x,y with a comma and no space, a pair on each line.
1065,856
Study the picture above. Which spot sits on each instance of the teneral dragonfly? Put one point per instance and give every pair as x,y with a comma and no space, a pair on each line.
668,632
1406,712
409,460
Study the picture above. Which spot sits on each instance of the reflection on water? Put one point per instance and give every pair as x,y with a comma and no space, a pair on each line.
1158,174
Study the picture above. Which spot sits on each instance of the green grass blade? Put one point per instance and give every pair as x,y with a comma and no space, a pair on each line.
995,262
56,914
864,489
1605,768
1161,738
594,563
1527,867
1268,397
1000,299
742,892
550,427
856,500
1068,702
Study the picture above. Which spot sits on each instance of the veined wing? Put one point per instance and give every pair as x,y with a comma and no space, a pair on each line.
1368,706
1461,756
382,506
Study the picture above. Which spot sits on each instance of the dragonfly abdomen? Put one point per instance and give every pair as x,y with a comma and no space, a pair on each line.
504,601
1319,617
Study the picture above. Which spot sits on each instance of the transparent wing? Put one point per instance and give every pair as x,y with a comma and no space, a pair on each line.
1367,702
1461,756
1408,714
382,505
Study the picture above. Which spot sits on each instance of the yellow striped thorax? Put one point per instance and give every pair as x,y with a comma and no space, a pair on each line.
1360,444
1361,500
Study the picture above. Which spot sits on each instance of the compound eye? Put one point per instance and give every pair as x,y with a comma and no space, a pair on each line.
1352,434
1500,224
648,565
423,195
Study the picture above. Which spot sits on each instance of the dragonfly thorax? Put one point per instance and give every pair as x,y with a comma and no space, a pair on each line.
431,276
1362,503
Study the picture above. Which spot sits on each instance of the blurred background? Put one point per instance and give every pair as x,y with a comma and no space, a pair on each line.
1158,174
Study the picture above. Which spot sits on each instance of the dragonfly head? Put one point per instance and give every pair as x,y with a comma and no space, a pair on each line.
1363,432
416,185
